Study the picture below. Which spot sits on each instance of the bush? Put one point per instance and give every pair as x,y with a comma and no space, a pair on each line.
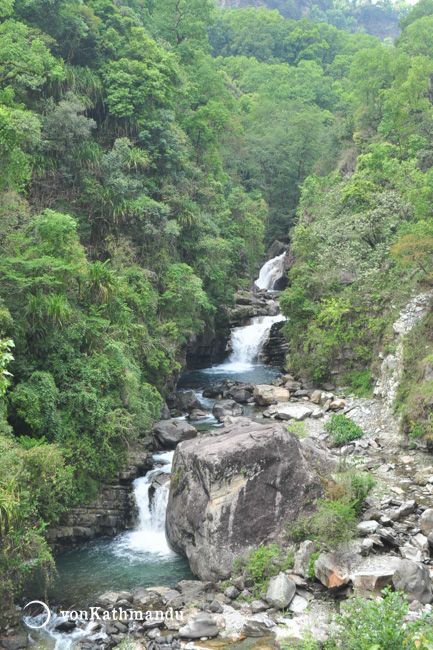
379,625
343,430
334,521
263,563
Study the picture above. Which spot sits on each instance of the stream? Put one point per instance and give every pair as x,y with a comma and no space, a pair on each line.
142,557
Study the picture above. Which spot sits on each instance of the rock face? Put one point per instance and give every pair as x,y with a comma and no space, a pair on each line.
170,432
111,511
232,491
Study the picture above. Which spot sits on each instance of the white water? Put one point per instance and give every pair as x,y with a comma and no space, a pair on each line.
149,536
247,342
48,638
271,272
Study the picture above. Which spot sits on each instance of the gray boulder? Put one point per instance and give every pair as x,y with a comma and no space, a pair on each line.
281,591
202,625
169,433
225,408
256,628
334,569
234,491
414,579
187,400
426,521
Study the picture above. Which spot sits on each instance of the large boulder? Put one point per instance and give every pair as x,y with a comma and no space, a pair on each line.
170,432
225,408
265,394
202,625
281,591
414,579
235,490
187,400
334,569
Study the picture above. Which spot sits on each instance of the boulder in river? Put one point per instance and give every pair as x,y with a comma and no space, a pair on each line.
265,394
202,625
225,408
170,432
187,400
235,490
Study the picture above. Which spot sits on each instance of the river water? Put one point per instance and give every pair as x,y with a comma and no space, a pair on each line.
142,557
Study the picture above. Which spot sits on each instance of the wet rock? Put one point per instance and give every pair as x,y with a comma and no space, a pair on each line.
213,391
225,408
187,401
66,626
170,433
414,580
334,569
234,491
281,591
426,521
202,625
303,556
197,414
265,394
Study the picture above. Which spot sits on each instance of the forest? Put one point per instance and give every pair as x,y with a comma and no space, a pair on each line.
150,152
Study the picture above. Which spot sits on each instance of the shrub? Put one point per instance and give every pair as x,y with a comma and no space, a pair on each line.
310,571
263,563
360,382
369,624
343,430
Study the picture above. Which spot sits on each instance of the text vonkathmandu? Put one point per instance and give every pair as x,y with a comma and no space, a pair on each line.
120,614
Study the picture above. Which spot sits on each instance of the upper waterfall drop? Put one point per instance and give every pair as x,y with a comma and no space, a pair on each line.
270,272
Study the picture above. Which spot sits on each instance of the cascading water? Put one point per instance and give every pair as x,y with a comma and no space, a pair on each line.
271,272
149,536
247,342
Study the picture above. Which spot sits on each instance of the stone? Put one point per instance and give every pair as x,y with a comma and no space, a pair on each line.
187,400
430,540
422,477
426,522
292,385
292,412
366,528
334,569
233,491
387,536
407,508
225,408
371,583
258,606
213,391
409,552
337,404
366,546
201,625
421,542
303,556
298,604
316,397
257,628
108,599
231,592
281,591
215,607
169,433
414,579
265,394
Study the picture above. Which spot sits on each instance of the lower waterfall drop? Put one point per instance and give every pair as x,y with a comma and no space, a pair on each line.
247,342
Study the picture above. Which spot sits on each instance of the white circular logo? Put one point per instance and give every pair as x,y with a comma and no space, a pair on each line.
47,609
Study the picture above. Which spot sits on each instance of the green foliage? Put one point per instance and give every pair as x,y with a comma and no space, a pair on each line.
343,430
263,563
379,623
335,519
310,571
5,358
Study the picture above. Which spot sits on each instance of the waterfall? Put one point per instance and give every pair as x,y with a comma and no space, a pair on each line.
247,342
271,272
149,536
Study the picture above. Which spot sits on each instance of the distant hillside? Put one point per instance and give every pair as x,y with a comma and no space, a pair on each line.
380,19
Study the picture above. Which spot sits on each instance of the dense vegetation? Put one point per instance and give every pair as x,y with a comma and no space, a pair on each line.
148,152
